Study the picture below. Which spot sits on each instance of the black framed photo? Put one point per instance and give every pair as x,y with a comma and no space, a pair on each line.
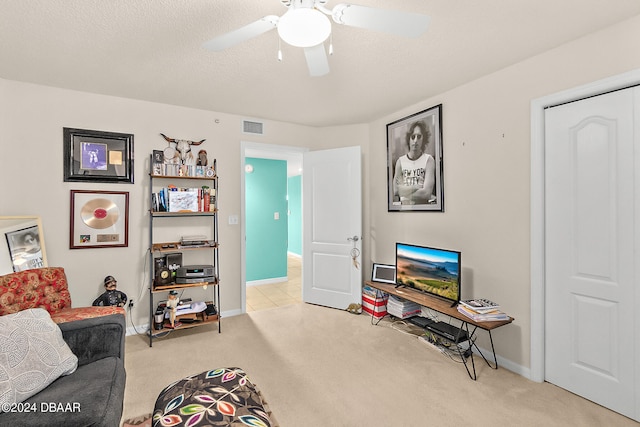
97,156
24,247
414,162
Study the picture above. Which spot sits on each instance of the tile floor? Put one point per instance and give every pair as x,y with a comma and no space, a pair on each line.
261,297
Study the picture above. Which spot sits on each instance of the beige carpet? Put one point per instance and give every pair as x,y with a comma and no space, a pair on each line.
323,367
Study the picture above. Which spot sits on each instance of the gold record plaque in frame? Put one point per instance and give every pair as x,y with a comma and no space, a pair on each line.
99,219
100,213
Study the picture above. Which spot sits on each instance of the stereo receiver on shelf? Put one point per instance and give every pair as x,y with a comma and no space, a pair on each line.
194,272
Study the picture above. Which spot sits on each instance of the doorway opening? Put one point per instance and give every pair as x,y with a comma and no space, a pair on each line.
257,292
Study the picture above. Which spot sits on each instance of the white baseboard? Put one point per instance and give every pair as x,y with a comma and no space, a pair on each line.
506,363
267,281
137,329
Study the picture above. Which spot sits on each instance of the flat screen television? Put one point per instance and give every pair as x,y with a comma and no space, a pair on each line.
430,270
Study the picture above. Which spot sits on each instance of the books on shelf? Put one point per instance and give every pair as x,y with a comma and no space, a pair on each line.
173,199
492,315
480,305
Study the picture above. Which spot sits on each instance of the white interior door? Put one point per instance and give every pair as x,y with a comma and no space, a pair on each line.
332,212
590,266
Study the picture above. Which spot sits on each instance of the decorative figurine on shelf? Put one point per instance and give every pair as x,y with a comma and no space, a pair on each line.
172,306
111,296
202,158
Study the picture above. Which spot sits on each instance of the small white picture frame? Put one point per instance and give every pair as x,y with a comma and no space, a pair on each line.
384,273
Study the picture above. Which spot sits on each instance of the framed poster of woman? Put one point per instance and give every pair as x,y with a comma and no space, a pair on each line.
24,247
414,162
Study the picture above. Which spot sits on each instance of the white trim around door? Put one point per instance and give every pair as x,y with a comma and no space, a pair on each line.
538,106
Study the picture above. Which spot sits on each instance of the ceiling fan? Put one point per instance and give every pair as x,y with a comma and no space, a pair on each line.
306,25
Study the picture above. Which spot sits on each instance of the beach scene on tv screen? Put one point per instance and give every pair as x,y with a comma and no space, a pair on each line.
429,270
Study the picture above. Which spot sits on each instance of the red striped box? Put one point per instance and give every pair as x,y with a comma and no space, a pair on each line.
376,307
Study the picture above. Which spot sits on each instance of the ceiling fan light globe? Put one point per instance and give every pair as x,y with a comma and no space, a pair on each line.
304,27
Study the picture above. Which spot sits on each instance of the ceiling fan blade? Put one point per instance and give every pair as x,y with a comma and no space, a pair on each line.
247,32
317,60
405,24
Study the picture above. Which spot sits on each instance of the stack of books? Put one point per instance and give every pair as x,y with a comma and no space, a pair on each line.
402,308
481,310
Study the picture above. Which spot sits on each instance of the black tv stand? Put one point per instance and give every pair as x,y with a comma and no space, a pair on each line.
467,325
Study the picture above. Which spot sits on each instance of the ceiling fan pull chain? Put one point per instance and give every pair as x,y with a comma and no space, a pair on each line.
279,50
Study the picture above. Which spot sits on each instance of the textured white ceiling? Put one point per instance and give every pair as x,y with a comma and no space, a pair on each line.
152,50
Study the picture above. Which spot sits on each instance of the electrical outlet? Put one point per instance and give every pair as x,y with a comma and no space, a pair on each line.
130,303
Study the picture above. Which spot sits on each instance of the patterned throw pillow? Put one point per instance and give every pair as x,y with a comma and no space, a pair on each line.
32,355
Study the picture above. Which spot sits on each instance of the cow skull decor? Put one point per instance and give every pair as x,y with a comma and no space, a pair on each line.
179,151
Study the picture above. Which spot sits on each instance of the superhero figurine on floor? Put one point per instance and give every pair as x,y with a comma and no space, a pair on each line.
111,296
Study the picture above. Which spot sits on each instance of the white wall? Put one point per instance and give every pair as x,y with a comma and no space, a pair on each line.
486,136
31,120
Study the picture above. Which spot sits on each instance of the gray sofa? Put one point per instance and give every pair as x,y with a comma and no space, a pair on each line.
91,396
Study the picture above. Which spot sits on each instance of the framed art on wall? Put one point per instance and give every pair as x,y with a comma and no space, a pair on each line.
24,247
99,219
414,162
97,156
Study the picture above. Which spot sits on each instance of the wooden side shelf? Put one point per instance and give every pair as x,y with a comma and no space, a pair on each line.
436,304
182,213
176,246
182,286
201,319
203,178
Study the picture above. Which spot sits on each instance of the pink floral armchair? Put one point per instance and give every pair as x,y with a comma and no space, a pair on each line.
46,288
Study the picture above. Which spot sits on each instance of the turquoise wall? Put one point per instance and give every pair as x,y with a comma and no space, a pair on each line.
294,192
266,194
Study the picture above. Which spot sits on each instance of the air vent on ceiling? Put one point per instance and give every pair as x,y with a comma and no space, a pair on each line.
253,127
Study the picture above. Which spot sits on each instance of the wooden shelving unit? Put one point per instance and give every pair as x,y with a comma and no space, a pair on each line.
160,249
